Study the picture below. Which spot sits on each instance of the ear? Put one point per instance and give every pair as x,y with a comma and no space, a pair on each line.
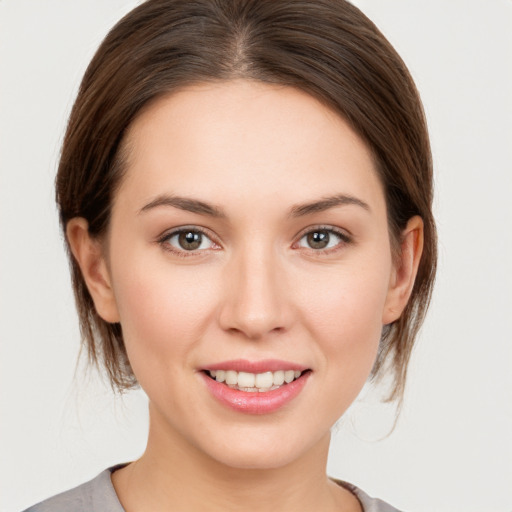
89,255
404,271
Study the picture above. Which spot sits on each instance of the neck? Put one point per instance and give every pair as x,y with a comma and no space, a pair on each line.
173,475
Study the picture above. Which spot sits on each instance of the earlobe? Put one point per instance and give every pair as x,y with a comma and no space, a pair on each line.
405,270
89,255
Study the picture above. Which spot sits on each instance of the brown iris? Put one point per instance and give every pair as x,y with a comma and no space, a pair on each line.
190,240
318,239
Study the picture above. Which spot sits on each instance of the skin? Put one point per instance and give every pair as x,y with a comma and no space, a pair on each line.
253,290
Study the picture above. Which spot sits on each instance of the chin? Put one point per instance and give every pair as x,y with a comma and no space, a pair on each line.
255,458
263,451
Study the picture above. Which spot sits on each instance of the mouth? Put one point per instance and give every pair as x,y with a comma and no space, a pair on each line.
255,388
255,382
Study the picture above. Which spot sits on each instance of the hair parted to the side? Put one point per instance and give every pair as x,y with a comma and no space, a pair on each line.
326,48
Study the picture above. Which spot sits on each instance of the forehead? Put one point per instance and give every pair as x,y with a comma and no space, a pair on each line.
245,138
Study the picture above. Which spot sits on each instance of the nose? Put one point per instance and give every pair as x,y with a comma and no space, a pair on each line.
255,302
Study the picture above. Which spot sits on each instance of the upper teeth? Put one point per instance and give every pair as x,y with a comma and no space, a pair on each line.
255,381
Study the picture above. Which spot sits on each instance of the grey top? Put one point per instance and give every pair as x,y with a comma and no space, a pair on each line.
98,495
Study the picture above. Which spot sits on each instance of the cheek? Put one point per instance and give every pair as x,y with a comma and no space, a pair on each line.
163,311
346,324
344,315
345,304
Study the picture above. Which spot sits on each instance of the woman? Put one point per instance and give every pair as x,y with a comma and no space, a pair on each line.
245,189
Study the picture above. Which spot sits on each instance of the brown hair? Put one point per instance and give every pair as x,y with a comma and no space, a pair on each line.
326,48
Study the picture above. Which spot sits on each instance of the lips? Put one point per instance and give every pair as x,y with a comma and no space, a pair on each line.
255,387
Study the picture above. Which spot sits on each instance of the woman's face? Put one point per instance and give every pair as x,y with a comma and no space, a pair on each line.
248,237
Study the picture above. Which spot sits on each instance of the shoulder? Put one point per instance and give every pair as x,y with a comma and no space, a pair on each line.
368,503
96,495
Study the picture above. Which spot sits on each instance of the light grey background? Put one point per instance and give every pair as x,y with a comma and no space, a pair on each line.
452,449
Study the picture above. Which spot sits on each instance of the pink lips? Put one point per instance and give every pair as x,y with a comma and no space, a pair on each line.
256,402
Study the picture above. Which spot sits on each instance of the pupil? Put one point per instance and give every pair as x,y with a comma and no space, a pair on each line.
318,239
190,240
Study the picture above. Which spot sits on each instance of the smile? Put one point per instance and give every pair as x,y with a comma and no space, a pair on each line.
255,382
262,387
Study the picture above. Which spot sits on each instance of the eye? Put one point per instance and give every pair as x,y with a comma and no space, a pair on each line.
188,240
322,238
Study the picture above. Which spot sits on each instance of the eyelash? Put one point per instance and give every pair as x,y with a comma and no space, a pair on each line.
164,240
344,239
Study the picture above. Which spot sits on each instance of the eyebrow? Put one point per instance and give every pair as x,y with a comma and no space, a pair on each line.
326,203
184,203
300,210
